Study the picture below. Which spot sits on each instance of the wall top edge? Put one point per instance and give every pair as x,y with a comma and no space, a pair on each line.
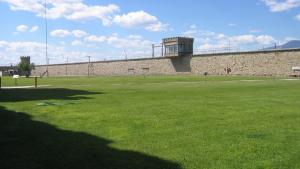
195,55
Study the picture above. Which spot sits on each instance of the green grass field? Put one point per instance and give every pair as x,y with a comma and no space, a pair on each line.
157,122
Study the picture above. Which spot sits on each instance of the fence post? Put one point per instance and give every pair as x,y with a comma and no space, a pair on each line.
35,82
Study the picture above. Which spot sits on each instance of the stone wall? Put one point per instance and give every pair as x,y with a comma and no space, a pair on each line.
276,63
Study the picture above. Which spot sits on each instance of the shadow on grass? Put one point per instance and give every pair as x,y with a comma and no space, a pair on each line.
28,144
15,95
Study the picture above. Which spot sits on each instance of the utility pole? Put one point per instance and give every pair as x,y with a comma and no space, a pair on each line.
89,65
153,46
162,49
46,35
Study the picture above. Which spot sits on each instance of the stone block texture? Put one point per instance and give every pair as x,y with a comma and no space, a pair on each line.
259,63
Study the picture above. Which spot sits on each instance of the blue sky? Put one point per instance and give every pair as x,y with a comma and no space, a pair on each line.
112,29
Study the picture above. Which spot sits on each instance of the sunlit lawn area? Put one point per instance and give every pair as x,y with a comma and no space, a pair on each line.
155,122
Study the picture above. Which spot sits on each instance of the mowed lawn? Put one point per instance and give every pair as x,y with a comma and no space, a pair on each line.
156,122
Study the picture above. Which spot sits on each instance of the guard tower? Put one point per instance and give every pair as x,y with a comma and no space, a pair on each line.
178,46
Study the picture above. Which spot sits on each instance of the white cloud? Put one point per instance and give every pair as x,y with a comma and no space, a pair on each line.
279,6
131,42
64,32
140,19
83,12
25,5
190,33
232,24
208,46
242,39
22,28
298,17
134,45
76,43
135,37
198,32
62,43
79,33
77,10
134,42
251,39
11,51
94,38
133,19
221,36
265,39
193,26
205,39
2,44
255,31
60,33
157,27
236,41
34,29
68,9
287,39
25,28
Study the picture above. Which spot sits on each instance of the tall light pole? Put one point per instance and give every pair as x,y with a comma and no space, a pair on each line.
162,49
153,46
89,65
157,46
125,54
46,35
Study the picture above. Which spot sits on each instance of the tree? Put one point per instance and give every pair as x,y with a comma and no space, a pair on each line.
25,68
